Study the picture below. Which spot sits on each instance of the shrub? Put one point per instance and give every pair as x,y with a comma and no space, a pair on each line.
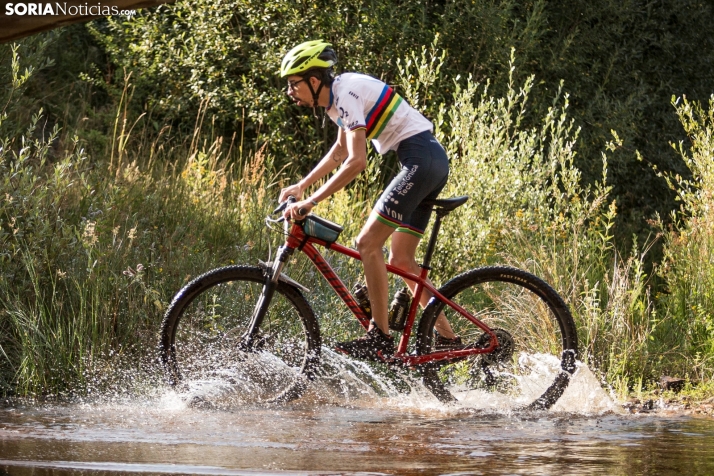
686,330
529,207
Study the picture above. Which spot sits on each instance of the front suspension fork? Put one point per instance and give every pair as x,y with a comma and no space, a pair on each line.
266,296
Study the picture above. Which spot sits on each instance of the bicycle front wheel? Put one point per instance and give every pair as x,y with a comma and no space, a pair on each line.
537,337
204,337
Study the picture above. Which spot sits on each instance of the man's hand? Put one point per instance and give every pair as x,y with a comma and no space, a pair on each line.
294,190
292,210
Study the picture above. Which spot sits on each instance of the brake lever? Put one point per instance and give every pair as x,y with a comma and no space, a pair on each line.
282,206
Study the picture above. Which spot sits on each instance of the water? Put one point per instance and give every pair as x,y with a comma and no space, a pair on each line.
352,422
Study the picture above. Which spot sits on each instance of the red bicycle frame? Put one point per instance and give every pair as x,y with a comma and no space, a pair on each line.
297,239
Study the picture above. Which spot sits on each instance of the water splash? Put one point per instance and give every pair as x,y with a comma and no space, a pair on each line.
585,395
345,382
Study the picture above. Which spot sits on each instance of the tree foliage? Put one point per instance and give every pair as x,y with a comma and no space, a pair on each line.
620,61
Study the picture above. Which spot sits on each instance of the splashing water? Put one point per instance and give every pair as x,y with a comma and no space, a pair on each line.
343,381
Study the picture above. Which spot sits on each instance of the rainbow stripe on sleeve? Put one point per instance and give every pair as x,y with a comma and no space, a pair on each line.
382,111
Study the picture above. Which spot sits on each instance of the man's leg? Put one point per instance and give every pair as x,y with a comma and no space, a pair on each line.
402,254
369,244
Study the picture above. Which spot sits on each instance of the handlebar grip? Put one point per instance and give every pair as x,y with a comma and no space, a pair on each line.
302,212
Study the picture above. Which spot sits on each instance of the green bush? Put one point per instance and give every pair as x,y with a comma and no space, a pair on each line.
91,251
531,208
686,330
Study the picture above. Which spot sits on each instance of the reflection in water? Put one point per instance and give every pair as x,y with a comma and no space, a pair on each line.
352,422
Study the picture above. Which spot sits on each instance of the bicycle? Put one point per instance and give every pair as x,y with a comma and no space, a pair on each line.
253,326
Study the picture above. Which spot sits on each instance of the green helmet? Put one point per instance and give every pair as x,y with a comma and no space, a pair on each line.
306,56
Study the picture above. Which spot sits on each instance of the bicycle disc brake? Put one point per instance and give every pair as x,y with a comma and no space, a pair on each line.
502,352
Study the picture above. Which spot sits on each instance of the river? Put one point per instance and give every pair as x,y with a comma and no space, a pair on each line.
354,424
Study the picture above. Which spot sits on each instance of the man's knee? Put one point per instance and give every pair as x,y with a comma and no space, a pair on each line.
401,260
365,243
372,237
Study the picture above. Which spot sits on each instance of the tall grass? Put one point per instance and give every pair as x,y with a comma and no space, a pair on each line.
91,250
686,330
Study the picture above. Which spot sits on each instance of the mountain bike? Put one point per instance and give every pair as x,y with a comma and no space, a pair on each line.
253,327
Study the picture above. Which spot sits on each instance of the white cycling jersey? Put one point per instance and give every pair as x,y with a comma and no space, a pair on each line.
360,101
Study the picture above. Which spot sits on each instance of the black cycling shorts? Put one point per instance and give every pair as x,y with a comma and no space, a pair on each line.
425,169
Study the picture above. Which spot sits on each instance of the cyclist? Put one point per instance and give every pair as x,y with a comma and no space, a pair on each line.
365,108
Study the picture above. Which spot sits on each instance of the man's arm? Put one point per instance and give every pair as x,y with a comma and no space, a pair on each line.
333,158
356,146
354,165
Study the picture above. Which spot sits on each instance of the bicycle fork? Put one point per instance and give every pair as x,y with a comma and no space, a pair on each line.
272,276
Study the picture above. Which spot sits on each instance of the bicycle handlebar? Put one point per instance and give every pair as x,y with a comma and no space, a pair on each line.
283,205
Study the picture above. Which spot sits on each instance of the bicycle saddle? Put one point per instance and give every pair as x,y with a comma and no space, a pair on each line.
447,204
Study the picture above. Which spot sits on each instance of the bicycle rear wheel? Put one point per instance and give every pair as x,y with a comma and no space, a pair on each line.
537,337
203,337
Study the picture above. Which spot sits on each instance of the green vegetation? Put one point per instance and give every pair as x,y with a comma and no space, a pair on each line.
137,154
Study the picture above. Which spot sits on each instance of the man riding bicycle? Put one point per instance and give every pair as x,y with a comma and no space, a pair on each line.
365,108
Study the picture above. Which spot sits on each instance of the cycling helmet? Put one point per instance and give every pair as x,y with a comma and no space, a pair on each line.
306,56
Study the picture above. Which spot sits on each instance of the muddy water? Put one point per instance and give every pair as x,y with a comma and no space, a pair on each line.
352,423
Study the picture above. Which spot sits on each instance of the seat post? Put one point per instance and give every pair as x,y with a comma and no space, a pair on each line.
442,207
440,213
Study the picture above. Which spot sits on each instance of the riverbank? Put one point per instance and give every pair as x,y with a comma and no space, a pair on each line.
666,405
